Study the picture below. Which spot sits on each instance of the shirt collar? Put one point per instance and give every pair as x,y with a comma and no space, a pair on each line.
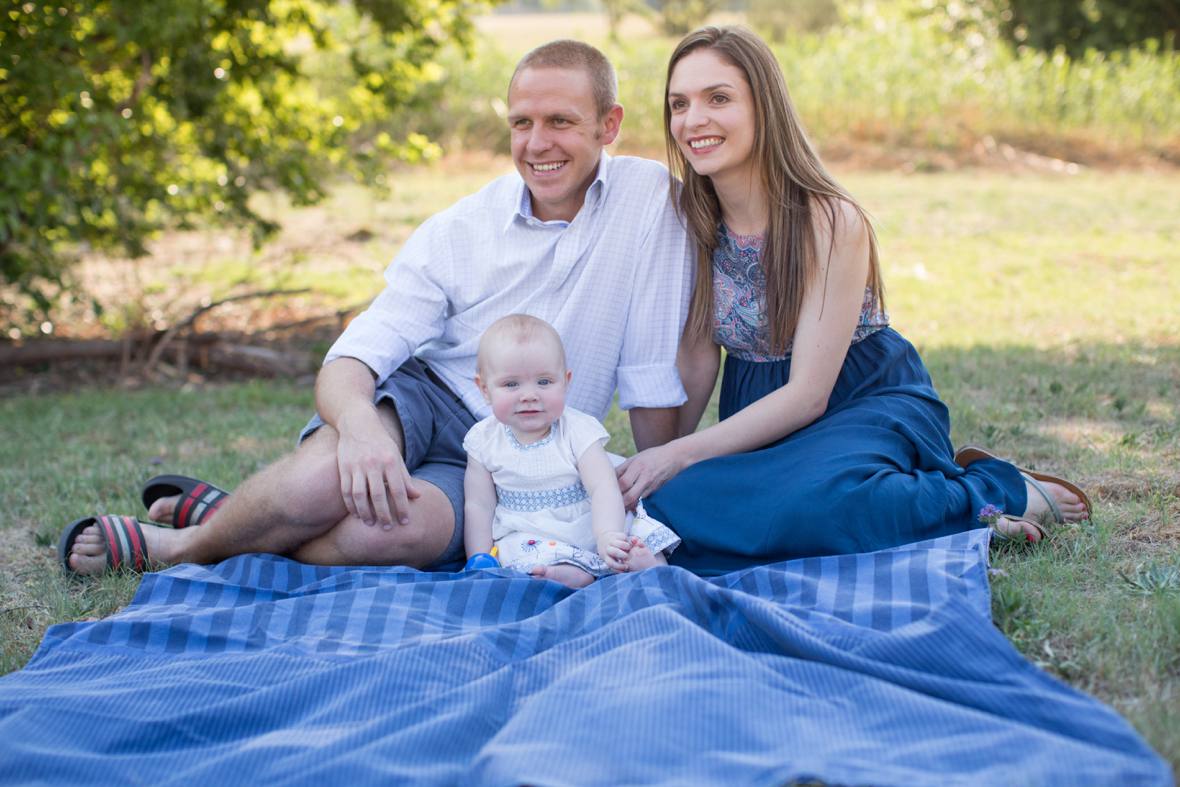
524,201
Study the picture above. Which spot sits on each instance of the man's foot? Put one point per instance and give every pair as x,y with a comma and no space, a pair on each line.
88,555
164,509
570,576
641,557
191,501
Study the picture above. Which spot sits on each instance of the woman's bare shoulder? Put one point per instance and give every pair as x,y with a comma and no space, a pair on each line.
838,222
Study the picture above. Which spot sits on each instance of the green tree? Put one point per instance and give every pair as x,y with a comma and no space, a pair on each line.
1071,25
678,17
119,118
617,11
1078,25
774,19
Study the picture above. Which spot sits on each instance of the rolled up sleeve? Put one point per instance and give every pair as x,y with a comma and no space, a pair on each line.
647,375
409,312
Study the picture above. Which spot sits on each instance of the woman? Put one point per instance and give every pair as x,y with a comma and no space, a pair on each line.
832,438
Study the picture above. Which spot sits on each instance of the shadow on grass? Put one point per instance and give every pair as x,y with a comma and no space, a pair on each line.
1107,410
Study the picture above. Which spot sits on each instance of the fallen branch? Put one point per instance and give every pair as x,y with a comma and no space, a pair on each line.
58,350
200,349
259,360
338,315
154,357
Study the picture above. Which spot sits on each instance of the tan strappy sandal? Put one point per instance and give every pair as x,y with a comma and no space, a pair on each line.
969,454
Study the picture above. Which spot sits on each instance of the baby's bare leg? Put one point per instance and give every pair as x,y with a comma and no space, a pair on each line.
568,575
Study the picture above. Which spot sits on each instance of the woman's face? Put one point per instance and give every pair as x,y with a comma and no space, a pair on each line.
712,111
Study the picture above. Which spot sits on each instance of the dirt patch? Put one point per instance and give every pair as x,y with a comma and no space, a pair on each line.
1119,487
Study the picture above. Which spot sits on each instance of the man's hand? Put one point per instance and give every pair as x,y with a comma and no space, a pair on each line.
614,547
647,471
374,481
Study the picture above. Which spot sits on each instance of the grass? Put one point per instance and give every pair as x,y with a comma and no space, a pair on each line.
1044,305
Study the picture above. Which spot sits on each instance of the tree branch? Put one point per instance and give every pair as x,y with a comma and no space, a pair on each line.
141,82
187,322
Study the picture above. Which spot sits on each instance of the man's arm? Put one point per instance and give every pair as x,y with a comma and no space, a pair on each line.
649,387
698,361
374,482
652,426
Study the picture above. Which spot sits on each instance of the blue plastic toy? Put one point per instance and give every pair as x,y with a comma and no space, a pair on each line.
481,560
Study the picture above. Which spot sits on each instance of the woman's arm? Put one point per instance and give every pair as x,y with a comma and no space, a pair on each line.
697,360
831,308
606,506
479,507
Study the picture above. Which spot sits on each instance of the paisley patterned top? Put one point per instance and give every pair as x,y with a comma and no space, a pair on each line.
739,303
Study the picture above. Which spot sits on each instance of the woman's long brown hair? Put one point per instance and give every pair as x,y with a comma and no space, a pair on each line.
793,179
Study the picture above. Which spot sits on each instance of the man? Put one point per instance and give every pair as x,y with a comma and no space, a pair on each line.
589,243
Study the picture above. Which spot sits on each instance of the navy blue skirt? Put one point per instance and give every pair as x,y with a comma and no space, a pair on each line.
874,471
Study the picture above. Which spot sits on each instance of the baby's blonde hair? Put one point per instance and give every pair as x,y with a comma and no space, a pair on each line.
518,329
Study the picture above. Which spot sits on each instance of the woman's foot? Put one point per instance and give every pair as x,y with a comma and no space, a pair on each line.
1038,509
1049,500
1038,512
88,555
1018,529
570,576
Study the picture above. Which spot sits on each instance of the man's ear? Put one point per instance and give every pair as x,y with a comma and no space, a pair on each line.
611,124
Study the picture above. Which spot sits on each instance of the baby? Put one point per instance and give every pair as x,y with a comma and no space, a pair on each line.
539,485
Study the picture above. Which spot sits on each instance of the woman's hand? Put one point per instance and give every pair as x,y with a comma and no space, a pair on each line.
647,471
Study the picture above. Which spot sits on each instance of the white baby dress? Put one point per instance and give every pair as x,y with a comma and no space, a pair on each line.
542,510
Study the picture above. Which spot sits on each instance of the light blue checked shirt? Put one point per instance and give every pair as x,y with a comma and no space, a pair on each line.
614,282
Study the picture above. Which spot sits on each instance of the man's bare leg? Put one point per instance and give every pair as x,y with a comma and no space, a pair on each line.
351,542
293,507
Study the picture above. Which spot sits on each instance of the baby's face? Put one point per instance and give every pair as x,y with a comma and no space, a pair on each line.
525,383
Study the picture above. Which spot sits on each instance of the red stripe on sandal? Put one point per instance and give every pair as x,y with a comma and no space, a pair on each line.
187,506
135,542
114,543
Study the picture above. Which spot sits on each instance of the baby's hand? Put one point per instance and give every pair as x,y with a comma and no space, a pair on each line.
614,547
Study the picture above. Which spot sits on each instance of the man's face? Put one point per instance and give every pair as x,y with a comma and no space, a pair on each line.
557,137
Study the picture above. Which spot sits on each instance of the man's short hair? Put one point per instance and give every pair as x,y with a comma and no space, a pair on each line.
566,53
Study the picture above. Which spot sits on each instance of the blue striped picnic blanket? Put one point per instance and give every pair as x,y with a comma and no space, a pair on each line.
880,668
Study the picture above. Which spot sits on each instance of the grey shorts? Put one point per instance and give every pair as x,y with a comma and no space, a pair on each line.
435,422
